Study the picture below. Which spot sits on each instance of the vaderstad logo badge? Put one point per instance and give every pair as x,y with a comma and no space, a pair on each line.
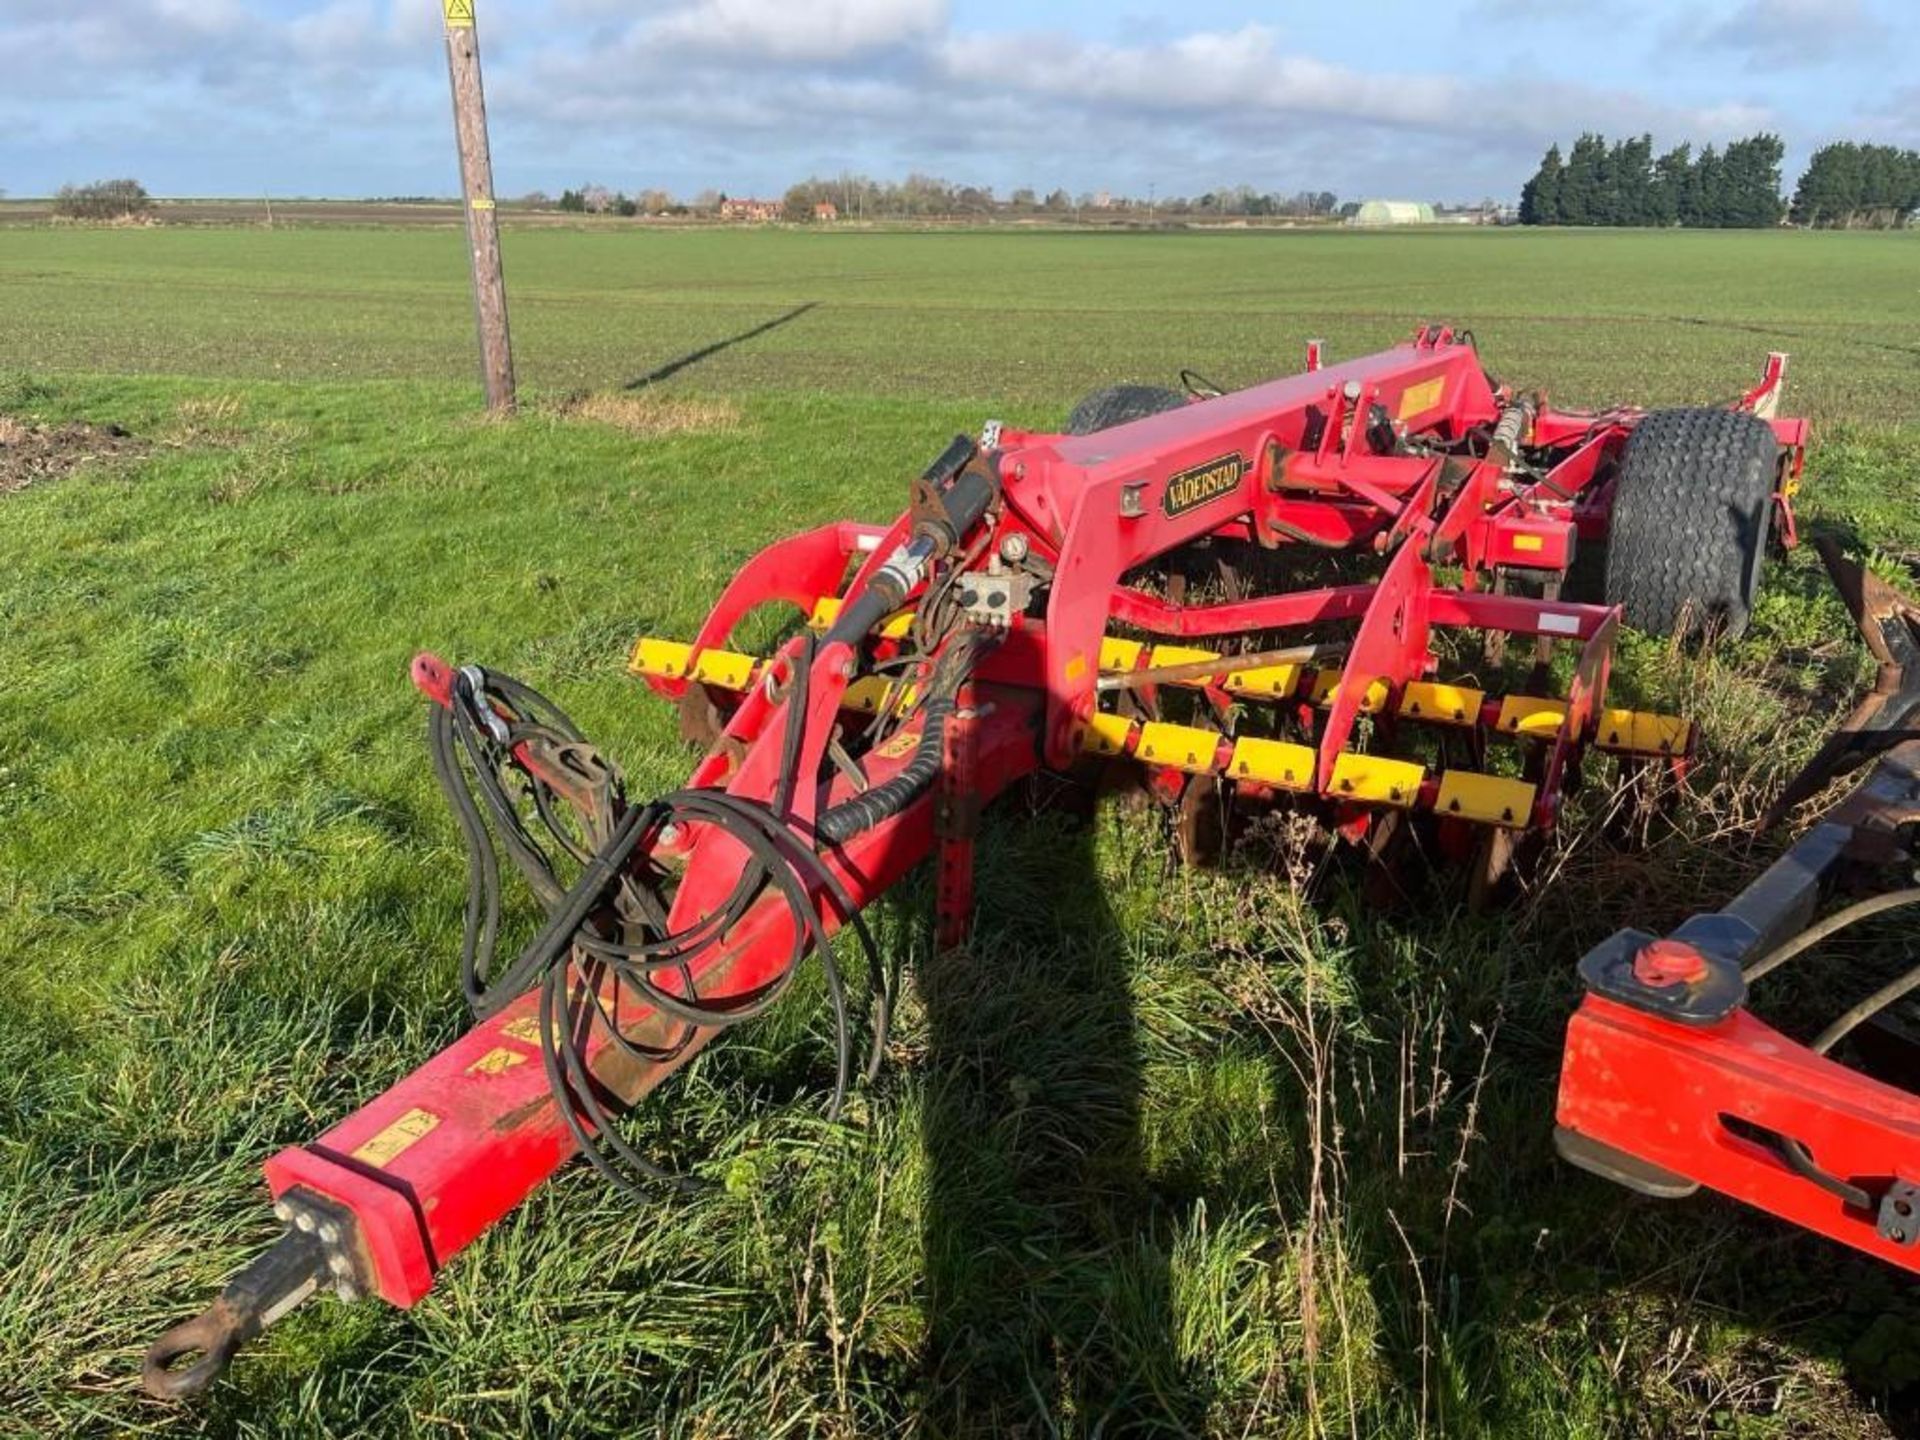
1201,483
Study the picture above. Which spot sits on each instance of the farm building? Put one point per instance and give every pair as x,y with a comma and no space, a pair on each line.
1393,212
758,211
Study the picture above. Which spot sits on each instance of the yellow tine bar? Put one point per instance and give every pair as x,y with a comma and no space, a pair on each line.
1275,682
1376,779
1490,799
1273,762
1164,655
1443,704
1529,715
827,609
869,694
1642,732
1106,734
1181,747
1117,656
728,669
1326,682
662,659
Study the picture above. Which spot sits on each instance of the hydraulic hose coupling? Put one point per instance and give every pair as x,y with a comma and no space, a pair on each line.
949,499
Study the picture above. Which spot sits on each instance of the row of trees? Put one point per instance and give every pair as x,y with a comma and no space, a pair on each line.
1626,184
928,197
1849,185
102,200
599,200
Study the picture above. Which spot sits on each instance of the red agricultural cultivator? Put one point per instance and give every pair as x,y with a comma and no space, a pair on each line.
1246,601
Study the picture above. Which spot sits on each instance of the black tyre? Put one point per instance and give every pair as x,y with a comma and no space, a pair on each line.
1117,404
1688,537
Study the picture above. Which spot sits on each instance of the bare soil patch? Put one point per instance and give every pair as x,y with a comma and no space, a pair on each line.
30,453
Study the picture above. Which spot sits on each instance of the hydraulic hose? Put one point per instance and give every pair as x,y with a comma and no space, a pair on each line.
488,729
606,898
890,797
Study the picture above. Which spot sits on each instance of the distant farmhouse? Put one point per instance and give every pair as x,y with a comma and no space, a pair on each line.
1393,212
826,210
757,211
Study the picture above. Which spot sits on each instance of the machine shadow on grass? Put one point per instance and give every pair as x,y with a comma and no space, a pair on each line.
667,369
1048,1295
1436,1271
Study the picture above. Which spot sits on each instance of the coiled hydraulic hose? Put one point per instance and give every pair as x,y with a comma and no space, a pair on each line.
477,736
589,923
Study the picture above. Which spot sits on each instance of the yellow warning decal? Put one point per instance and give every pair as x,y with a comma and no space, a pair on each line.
1528,542
901,744
1418,399
482,202
526,1030
496,1061
1075,668
459,13
382,1149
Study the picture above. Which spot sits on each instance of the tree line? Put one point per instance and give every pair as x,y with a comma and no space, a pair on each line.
1626,184
1848,185
929,197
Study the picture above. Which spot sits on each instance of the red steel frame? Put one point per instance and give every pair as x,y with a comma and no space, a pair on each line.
1668,1082
429,1165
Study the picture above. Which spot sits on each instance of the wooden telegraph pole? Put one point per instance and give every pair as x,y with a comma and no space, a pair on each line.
476,182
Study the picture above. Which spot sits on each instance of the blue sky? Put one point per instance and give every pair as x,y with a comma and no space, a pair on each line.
1421,98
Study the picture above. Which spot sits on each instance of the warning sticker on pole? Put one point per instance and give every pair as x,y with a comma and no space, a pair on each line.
459,13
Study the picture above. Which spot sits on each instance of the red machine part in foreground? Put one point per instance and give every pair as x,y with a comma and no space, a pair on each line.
1670,1083
1029,609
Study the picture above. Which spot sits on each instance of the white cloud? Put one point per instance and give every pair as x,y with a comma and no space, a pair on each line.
755,92
1787,33
1228,75
803,30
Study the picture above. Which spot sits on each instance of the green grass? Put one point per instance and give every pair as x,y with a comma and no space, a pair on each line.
999,319
1163,1149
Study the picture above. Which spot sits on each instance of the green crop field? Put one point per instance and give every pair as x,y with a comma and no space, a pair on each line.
1162,1151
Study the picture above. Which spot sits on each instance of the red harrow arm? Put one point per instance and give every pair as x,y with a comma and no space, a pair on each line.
1030,609
1670,1083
